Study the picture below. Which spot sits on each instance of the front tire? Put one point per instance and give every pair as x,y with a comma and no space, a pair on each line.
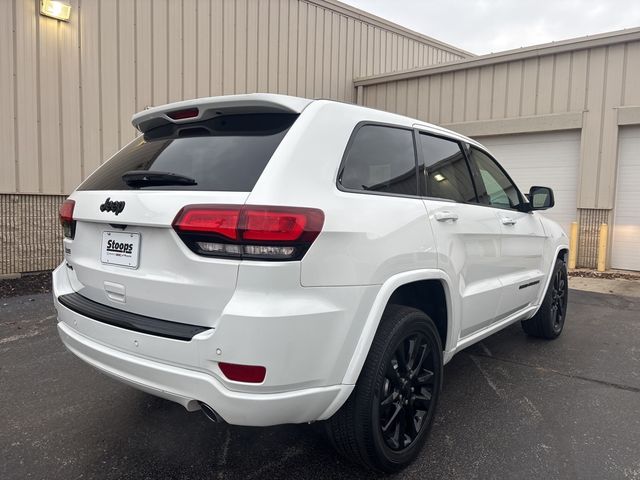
548,321
385,422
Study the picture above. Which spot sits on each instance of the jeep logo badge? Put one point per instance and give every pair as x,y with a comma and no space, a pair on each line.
112,206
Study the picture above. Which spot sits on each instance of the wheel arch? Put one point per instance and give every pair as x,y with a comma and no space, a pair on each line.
561,252
390,287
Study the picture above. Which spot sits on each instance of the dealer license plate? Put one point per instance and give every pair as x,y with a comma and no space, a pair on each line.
119,248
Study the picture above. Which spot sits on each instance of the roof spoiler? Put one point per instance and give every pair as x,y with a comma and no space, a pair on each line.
206,108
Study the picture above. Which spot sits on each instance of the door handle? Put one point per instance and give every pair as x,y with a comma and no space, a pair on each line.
508,220
444,215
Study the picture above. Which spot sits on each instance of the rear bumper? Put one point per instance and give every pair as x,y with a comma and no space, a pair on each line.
187,387
305,337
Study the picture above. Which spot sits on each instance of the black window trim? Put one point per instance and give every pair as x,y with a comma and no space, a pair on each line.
352,137
464,146
477,178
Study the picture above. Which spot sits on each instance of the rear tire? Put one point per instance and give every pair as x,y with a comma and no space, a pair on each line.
385,422
548,322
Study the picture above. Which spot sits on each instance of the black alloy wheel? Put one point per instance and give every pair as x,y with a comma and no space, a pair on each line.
406,391
549,320
385,422
559,299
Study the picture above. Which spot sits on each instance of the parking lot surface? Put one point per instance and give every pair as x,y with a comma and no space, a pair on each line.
512,407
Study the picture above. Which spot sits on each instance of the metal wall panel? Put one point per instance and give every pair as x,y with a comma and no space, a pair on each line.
77,83
8,102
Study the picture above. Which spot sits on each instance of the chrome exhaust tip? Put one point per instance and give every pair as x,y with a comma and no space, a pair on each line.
210,413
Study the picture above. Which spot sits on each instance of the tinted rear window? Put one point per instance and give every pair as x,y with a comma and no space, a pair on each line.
226,153
381,159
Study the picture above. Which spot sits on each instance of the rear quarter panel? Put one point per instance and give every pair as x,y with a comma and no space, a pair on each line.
366,238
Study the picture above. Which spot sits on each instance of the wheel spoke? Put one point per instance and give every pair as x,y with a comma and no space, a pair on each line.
425,378
395,438
417,367
412,428
401,355
389,400
402,423
419,420
422,400
393,373
393,419
411,356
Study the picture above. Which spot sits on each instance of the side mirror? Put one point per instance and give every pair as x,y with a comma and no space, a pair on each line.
541,198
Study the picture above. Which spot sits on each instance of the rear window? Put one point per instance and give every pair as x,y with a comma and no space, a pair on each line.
226,153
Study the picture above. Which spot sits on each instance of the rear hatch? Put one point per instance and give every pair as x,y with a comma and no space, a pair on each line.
124,252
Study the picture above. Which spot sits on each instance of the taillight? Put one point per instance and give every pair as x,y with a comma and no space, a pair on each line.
256,232
243,373
66,218
208,220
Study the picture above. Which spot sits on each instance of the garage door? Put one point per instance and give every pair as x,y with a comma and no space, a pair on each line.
625,248
549,159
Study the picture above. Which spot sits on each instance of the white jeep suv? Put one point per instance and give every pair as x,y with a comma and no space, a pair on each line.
271,259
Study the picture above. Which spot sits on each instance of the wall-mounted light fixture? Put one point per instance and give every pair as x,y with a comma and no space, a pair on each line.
55,9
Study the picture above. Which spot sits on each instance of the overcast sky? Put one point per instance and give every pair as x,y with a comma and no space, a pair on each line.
484,26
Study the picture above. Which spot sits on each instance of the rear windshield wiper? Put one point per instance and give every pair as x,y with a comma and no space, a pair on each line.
146,178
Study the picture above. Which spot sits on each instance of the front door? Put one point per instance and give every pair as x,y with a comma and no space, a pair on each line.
522,235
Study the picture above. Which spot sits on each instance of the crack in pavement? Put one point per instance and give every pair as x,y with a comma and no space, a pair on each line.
619,386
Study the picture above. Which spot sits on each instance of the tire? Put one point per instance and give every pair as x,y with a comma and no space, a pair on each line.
397,383
548,322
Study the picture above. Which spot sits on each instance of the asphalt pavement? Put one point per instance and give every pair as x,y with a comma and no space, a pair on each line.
512,408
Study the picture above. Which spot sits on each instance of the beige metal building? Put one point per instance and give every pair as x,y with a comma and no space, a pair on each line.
68,89
565,114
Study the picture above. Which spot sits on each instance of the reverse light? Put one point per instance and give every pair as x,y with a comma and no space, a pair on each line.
212,247
243,373
269,251
256,232
66,218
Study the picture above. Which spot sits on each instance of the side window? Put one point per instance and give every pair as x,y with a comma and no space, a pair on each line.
381,159
445,170
494,187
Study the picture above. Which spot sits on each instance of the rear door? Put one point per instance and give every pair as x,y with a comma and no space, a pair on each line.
125,252
522,234
467,234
